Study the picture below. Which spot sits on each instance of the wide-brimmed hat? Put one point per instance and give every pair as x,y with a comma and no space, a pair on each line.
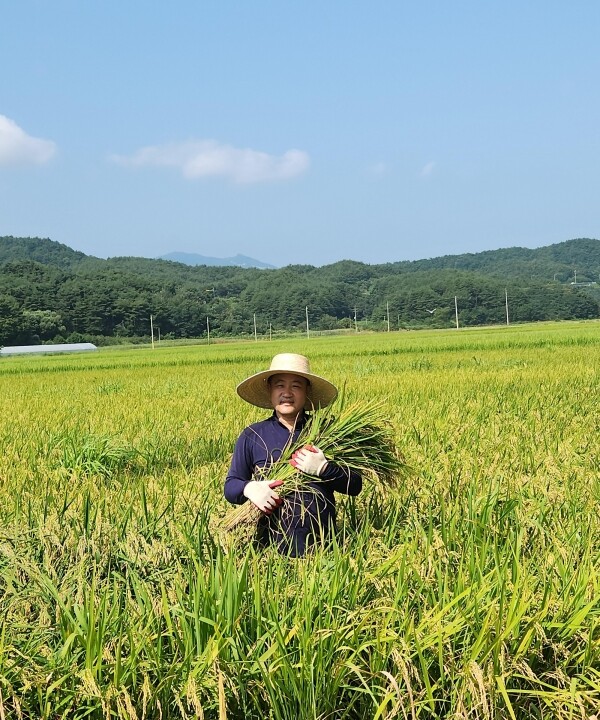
256,391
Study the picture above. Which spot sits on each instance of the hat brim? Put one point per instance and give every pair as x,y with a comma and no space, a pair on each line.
255,389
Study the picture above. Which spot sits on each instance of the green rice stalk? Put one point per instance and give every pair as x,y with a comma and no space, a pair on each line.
357,437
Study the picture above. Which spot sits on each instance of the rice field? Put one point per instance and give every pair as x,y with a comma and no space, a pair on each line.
472,590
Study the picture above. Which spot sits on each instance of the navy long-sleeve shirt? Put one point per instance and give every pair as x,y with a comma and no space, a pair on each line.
291,526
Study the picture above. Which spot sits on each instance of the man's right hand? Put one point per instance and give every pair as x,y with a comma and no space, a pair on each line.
262,494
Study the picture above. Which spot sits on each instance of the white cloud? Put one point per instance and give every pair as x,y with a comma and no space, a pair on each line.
18,148
427,170
208,158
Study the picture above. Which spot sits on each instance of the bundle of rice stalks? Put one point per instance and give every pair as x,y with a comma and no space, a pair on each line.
356,437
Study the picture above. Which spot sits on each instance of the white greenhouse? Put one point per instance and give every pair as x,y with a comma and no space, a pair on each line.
45,349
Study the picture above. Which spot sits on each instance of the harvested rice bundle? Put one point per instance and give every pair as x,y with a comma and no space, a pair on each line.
356,437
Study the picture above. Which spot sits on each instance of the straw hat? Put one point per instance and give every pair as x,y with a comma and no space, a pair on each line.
255,389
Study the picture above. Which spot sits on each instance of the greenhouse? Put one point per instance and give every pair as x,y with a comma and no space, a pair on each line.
44,349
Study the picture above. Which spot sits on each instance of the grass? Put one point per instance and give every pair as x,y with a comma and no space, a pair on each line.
470,590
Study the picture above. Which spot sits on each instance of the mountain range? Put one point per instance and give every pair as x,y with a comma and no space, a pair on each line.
194,259
49,291
577,259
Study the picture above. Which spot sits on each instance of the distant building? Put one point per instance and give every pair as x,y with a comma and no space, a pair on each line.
44,349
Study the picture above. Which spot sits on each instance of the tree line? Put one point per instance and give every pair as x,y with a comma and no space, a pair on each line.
50,293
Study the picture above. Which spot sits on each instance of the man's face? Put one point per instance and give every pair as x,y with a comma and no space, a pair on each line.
288,393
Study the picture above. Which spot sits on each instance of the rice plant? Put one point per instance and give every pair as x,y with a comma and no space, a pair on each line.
470,588
85,454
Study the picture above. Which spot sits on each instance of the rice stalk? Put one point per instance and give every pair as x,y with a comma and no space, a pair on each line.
357,437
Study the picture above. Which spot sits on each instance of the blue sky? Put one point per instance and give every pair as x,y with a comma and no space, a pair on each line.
299,132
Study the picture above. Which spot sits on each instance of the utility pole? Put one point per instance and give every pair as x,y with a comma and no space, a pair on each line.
152,331
270,332
456,310
355,323
307,330
207,332
255,335
506,299
388,315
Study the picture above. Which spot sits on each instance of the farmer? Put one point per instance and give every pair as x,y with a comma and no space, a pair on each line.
290,389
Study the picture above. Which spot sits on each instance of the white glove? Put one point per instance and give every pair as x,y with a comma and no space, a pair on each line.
261,493
309,460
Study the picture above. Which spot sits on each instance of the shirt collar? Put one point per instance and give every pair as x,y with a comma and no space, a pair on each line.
300,422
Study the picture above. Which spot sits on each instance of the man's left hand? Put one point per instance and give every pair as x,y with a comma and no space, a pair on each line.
309,460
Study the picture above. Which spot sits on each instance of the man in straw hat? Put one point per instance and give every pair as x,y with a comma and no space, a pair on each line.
290,389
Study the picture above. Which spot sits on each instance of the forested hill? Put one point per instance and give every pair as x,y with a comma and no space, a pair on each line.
49,291
562,259
39,250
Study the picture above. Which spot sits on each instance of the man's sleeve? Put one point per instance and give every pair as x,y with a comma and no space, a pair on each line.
341,479
240,471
